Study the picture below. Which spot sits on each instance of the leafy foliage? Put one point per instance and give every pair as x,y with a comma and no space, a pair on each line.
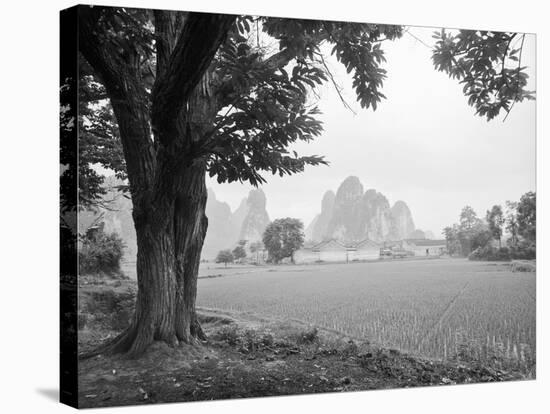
527,216
470,234
264,97
239,251
511,221
225,256
262,94
522,251
488,64
495,220
283,237
100,253
452,239
355,45
99,140
472,237
67,122
490,253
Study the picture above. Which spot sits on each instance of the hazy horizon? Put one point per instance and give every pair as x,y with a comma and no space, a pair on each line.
424,145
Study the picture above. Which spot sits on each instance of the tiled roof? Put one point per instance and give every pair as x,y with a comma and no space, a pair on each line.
365,243
328,243
426,242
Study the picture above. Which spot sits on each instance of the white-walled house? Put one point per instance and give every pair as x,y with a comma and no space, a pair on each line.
306,254
425,247
331,251
364,250
335,251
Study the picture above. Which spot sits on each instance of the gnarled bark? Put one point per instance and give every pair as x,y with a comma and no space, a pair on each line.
167,176
190,225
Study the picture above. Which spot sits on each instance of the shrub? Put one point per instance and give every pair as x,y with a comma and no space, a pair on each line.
101,254
522,251
229,334
490,253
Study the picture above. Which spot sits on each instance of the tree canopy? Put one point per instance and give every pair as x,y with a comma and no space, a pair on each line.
519,220
260,81
283,237
488,64
239,251
527,216
495,220
225,256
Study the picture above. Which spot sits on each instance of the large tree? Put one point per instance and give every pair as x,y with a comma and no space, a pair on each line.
511,221
195,94
527,216
283,237
495,221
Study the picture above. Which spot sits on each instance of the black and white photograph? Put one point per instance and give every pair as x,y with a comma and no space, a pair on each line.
270,205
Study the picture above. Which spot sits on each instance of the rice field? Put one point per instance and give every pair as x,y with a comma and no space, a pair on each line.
447,308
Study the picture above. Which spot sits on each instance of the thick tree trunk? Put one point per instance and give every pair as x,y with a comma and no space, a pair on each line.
190,225
167,175
167,271
154,316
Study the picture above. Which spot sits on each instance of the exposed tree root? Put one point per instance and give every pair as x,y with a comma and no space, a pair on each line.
133,343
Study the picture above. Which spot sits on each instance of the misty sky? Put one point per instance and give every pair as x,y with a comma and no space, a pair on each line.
423,145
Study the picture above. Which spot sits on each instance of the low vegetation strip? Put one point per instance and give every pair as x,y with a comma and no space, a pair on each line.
523,266
247,356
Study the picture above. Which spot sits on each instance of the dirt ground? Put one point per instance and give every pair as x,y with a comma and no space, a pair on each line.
247,356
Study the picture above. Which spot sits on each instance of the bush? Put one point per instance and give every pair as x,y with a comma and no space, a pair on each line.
101,254
491,253
523,251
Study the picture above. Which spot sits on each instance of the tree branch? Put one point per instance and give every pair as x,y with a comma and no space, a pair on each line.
127,96
168,25
196,46
336,86
518,70
274,62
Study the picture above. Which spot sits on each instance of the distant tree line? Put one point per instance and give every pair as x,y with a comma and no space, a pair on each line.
475,237
237,254
281,239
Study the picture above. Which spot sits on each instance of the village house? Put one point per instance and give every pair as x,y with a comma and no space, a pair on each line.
426,247
364,250
333,250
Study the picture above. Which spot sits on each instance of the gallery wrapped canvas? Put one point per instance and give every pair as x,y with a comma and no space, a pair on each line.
265,206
